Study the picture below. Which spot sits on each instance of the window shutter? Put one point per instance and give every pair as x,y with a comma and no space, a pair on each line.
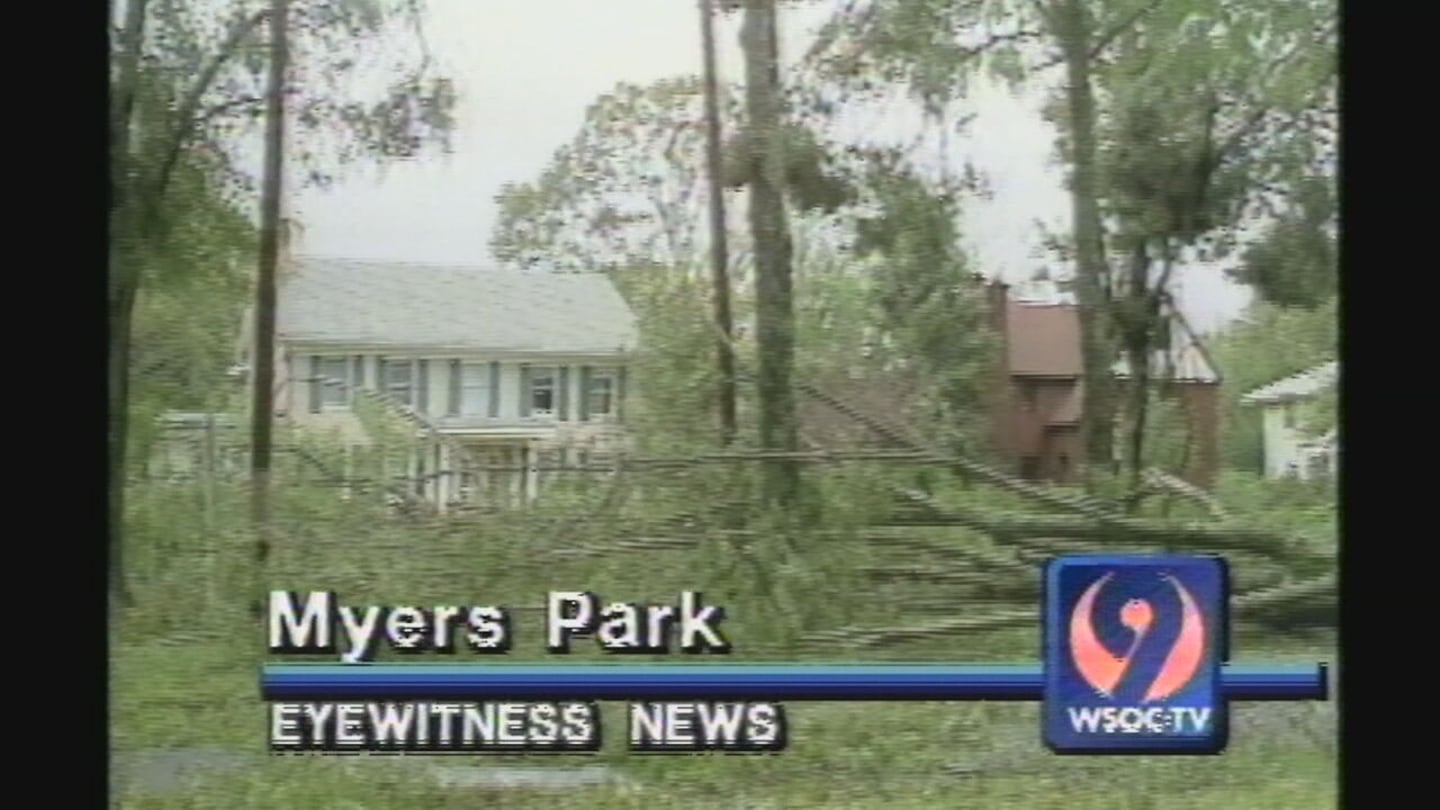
357,375
562,394
495,390
524,391
422,384
584,393
314,383
455,391
620,392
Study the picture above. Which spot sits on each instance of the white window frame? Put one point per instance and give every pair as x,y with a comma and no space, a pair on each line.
538,373
333,397
388,389
611,379
474,394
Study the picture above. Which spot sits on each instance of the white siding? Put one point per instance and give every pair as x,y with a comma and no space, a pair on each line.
1282,445
295,394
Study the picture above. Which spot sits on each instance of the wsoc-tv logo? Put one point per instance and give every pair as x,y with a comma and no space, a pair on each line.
1133,650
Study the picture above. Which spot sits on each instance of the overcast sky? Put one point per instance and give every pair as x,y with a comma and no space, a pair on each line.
526,70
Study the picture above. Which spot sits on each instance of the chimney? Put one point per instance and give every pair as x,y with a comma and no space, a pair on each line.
1002,394
997,293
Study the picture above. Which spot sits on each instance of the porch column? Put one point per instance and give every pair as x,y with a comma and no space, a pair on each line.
532,472
515,474
443,473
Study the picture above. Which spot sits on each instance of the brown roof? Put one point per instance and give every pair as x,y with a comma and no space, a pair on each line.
1044,340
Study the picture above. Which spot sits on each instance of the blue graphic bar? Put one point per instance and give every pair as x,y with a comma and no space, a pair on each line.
707,682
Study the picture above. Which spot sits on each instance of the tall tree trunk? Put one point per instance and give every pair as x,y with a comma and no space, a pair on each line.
263,406
1139,327
719,249
123,285
122,309
774,308
1072,24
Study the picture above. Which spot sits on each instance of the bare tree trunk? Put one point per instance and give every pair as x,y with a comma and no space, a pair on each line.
719,249
1138,329
263,406
123,285
1072,24
122,308
774,307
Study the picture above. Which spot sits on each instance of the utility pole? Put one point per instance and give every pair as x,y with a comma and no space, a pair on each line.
262,408
719,250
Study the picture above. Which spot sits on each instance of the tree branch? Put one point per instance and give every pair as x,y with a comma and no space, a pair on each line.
131,40
186,120
1258,115
995,40
1119,28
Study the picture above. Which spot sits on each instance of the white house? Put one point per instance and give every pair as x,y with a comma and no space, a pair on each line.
1289,449
515,371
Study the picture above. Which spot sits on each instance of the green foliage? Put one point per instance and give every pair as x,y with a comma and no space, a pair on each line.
1213,112
1271,343
625,194
181,237
810,177
674,382
1304,508
929,304
628,189
195,271
1296,263
216,73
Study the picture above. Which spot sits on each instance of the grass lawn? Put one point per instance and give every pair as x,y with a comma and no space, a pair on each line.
185,676
976,755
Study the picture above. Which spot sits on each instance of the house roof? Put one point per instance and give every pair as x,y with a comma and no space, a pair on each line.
1044,341
340,301
1297,386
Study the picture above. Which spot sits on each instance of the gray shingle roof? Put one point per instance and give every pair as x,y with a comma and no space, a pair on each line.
1307,383
343,301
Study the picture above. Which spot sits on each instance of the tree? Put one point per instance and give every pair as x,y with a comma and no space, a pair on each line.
627,190
187,83
719,247
936,46
1194,139
770,231
1296,263
1131,71
272,182
932,308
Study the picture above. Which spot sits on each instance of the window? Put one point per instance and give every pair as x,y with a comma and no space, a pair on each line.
1064,465
600,399
1030,468
1029,395
1289,414
542,392
474,389
397,381
334,381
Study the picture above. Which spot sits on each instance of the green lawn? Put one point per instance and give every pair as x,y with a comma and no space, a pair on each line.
185,675
841,754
